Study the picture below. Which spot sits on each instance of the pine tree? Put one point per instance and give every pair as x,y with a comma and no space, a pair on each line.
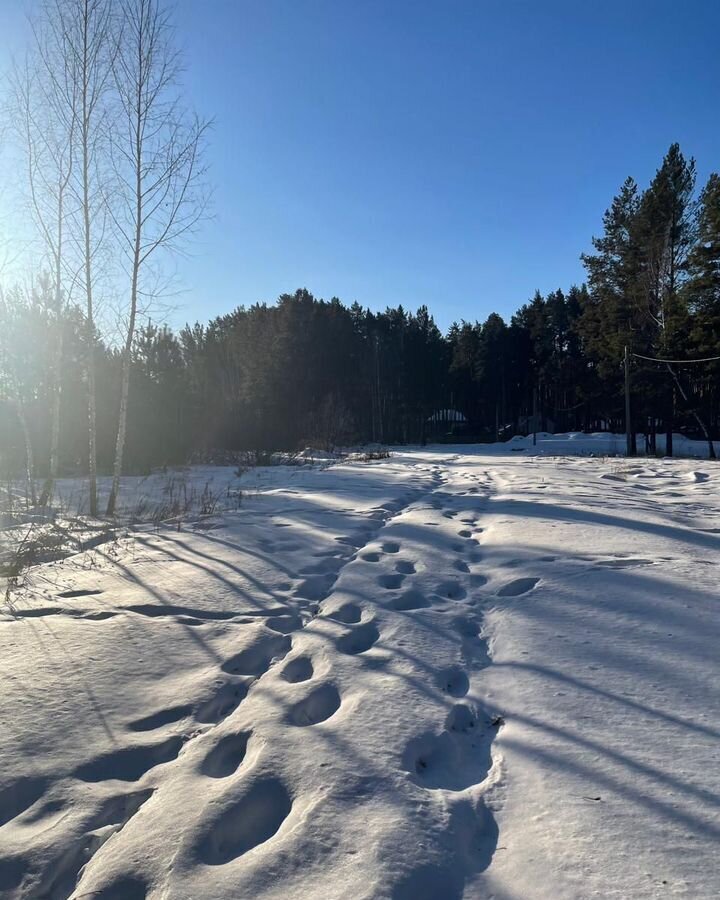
612,317
703,289
666,225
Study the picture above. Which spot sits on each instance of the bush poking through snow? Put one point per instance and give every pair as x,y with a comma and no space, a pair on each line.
369,456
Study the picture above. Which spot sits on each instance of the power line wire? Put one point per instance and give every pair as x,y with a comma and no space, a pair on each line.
681,362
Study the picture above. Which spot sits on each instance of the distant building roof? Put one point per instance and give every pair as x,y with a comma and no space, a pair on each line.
447,415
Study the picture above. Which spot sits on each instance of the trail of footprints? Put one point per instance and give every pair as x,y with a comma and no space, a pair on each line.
260,811
458,756
453,759
449,760
252,819
257,815
407,599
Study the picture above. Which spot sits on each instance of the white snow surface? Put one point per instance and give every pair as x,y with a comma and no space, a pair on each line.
446,674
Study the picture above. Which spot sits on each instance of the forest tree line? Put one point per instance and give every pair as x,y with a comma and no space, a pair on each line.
306,371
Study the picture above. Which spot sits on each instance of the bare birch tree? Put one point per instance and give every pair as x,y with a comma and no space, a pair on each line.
45,101
157,158
86,36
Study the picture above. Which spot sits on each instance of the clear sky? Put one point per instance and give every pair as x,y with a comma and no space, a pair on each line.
458,153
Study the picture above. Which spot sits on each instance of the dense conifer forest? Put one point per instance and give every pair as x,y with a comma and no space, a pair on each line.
307,371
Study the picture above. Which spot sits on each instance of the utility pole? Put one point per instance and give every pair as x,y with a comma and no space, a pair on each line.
628,424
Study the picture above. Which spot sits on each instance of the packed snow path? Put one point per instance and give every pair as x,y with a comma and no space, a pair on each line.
440,676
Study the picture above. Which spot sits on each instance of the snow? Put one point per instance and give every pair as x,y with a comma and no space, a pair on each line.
600,443
458,672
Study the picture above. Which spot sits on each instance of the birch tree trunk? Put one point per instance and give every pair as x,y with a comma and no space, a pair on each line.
93,21
158,167
54,462
45,112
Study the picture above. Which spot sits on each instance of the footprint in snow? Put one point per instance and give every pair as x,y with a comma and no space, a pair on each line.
257,658
320,704
125,888
451,590
348,614
390,582
252,820
298,669
478,580
317,587
458,757
517,587
371,556
359,639
20,795
284,624
161,718
130,763
225,701
453,681
226,756
408,600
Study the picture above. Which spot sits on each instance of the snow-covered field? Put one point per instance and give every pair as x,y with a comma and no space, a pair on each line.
447,674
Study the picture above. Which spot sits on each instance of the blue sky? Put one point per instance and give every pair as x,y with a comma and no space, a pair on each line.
458,154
